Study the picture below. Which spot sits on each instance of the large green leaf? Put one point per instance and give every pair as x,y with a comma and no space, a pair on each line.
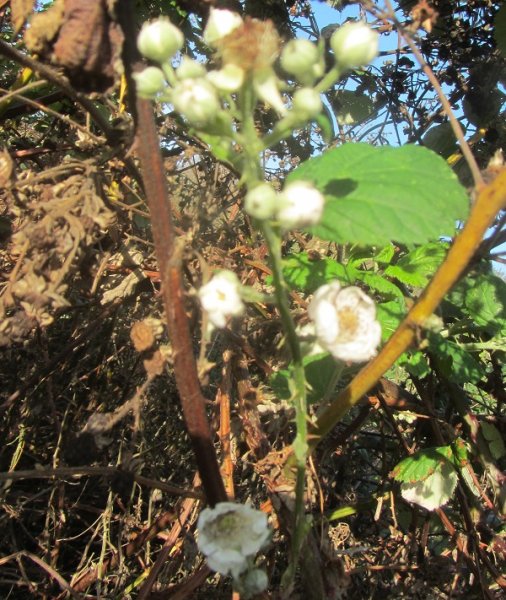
485,303
390,314
376,195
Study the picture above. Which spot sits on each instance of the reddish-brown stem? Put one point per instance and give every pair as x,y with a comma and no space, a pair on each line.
168,256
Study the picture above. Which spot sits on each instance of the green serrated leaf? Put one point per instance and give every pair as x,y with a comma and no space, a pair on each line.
303,273
390,314
454,362
377,195
380,284
422,464
415,363
494,440
419,265
485,303
385,255
434,491
319,370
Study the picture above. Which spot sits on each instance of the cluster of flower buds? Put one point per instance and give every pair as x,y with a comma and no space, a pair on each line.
230,535
300,204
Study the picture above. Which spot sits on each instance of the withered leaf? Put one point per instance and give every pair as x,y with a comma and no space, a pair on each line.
20,11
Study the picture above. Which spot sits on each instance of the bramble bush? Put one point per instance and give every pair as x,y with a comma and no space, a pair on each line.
345,287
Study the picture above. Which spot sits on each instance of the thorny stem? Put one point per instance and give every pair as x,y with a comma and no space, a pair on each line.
169,260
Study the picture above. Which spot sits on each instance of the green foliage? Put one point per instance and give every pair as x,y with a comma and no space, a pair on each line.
389,314
417,267
319,369
454,363
376,195
352,107
304,273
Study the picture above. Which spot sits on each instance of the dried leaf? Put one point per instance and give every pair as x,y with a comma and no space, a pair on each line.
20,11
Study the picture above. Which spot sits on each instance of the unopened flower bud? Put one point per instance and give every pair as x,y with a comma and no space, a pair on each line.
197,100
149,82
190,69
221,23
300,205
302,59
159,40
261,201
228,79
354,45
266,85
307,103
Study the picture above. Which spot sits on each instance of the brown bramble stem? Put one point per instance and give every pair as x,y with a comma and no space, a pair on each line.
168,253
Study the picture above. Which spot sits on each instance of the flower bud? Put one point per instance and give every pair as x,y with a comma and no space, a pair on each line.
302,59
300,205
221,23
307,103
190,69
266,85
197,100
261,201
354,44
159,40
149,82
228,79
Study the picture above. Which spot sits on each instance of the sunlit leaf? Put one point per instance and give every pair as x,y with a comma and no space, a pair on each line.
377,195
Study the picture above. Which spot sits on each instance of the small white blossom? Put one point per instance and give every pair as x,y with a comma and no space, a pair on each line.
149,82
159,40
261,201
230,535
221,23
345,322
197,100
228,79
221,298
354,45
300,205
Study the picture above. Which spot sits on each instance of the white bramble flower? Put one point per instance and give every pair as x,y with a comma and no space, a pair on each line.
354,45
228,79
261,201
300,205
221,298
221,23
345,322
230,535
197,100
302,59
307,103
159,40
149,82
